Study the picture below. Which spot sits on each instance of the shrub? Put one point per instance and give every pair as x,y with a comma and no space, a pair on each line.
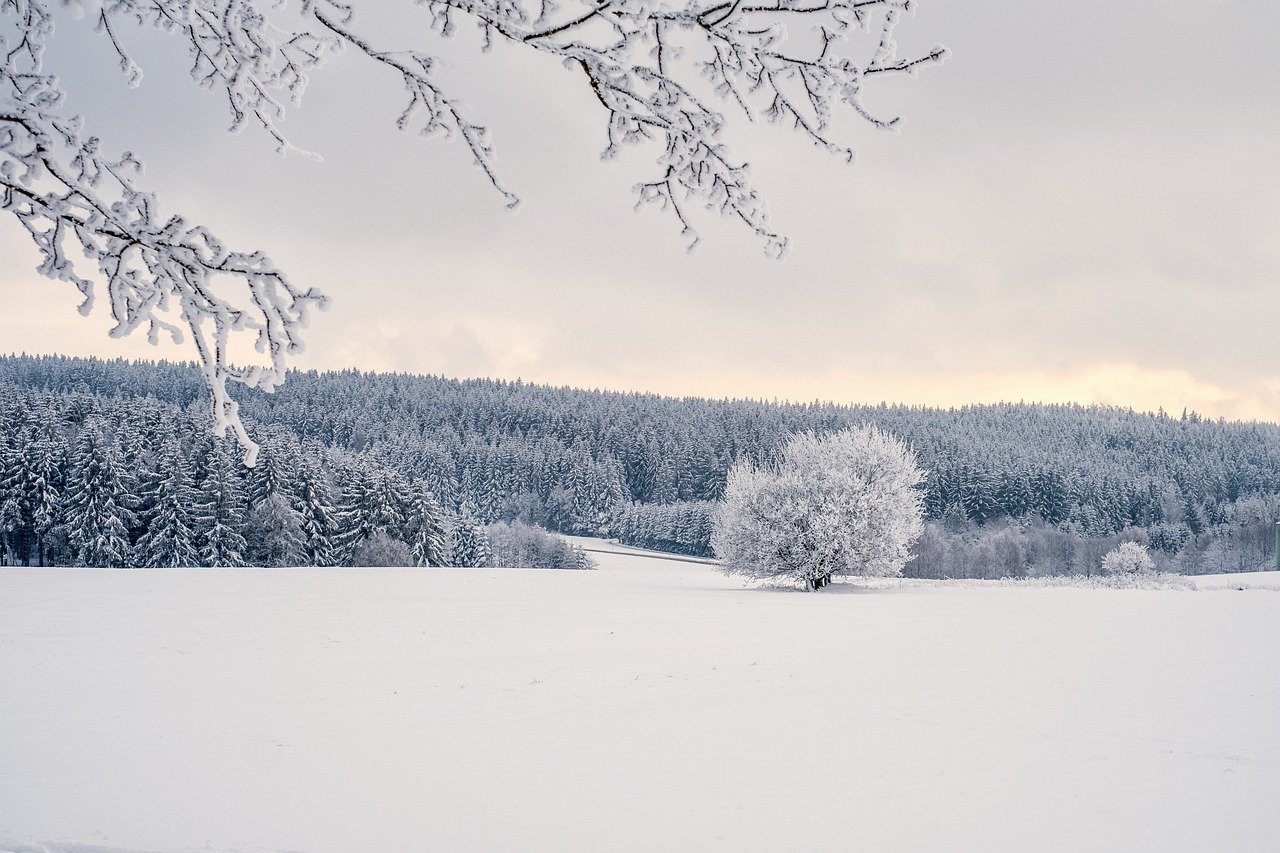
1128,559
382,550
518,545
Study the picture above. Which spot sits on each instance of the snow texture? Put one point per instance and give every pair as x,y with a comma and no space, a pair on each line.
653,704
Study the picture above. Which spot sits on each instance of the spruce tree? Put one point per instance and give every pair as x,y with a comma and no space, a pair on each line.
16,477
318,514
170,537
47,459
469,545
273,531
97,514
428,538
220,512
375,499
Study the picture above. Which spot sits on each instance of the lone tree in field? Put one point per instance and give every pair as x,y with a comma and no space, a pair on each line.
658,70
843,504
1129,558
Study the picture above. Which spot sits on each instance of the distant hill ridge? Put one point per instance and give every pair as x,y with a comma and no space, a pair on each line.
577,458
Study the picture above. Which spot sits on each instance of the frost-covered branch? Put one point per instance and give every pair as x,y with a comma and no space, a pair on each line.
73,198
658,70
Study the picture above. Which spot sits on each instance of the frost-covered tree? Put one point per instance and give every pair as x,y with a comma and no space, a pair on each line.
429,540
843,504
1127,559
381,549
273,531
519,545
97,515
374,500
319,517
660,73
220,511
469,546
276,469
170,537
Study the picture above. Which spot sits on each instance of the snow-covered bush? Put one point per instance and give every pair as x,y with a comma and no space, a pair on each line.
382,550
1127,559
515,545
843,504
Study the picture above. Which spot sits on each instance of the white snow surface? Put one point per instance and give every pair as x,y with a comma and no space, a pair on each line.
650,705
1236,580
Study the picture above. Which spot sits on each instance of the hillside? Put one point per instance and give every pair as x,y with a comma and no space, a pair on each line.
642,466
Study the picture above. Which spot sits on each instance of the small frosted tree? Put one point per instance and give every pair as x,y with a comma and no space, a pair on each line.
1129,558
843,504
381,549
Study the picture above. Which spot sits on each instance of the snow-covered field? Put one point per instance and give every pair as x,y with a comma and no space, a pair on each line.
652,705
1248,580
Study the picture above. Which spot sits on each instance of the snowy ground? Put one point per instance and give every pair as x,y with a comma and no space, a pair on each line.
650,705
1248,580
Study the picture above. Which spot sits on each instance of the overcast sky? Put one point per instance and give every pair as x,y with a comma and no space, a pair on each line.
1083,204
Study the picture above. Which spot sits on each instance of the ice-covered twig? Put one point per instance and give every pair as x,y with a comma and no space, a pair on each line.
656,68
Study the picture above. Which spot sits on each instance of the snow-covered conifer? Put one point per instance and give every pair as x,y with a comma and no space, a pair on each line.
374,499
273,533
429,540
97,516
220,512
169,540
319,516
469,546
275,469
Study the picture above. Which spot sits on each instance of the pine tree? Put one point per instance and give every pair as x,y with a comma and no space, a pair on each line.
220,512
374,500
47,489
428,538
319,516
170,537
469,545
97,516
274,472
16,497
10,524
273,531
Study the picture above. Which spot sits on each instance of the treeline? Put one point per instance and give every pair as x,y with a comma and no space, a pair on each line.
679,528
87,480
1239,537
604,463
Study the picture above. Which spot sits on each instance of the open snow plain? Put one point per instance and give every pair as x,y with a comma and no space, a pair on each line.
651,705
